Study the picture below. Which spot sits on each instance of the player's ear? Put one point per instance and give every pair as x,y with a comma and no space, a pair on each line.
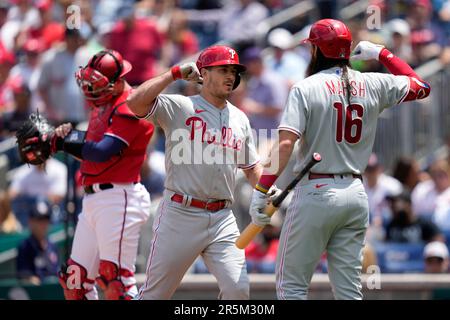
203,71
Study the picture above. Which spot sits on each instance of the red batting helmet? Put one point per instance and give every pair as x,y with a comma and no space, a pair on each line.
97,78
219,56
333,38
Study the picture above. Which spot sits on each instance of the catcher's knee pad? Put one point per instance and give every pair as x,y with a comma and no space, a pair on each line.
110,281
73,278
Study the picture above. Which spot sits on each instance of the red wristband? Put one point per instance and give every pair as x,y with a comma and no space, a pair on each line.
176,72
266,181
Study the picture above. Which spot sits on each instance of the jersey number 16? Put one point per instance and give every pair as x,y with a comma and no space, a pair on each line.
345,129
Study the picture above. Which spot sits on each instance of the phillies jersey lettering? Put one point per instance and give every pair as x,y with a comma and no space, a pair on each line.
347,132
224,138
337,87
205,128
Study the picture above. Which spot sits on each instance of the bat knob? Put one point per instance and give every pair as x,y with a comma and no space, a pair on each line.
317,157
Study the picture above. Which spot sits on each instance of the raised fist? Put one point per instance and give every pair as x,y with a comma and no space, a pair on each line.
366,50
186,71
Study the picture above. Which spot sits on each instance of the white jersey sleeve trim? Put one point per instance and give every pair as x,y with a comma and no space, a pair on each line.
150,112
116,136
407,92
249,166
293,130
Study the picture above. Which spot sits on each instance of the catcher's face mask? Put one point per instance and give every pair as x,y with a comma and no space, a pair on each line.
95,86
98,77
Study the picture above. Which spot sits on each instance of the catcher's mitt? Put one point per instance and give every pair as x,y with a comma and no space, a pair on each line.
34,139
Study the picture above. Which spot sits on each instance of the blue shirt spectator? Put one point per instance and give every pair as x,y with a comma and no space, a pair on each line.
34,260
38,256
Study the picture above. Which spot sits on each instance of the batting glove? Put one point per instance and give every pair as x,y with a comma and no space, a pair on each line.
259,201
273,193
366,50
186,71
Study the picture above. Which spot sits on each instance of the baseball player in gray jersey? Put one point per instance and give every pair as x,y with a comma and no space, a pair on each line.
333,112
207,140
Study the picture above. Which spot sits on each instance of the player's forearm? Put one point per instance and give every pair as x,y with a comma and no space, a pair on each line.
279,156
101,151
418,88
254,174
277,160
144,96
395,65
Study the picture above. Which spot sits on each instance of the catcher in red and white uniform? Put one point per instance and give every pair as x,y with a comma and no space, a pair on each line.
115,205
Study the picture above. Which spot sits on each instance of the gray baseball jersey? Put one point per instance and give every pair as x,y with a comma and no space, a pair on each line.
204,145
331,213
347,132
204,148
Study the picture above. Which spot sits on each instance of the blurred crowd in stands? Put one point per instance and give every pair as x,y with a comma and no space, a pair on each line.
43,43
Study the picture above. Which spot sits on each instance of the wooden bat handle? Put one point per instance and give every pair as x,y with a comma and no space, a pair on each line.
270,210
247,235
252,229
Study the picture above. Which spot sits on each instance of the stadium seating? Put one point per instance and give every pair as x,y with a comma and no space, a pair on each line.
400,257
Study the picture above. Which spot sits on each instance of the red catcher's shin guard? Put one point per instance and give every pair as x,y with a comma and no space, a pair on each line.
111,284
73,279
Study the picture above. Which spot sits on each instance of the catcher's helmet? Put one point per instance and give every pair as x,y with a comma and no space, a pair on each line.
333,38
97,78
219,56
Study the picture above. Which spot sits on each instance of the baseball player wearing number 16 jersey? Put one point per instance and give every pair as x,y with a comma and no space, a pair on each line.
194,218
334,112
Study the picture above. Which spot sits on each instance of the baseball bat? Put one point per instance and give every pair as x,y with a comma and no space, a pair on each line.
252,229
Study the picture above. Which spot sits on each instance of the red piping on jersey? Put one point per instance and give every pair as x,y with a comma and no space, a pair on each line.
279,284
155,237
121,231
290,129
249,166
151,111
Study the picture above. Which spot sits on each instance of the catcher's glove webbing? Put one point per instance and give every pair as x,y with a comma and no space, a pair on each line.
34,139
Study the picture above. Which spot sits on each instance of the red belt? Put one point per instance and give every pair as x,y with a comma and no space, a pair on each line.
210,206
313,176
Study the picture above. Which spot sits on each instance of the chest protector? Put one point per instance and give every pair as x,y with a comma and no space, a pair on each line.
100,120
